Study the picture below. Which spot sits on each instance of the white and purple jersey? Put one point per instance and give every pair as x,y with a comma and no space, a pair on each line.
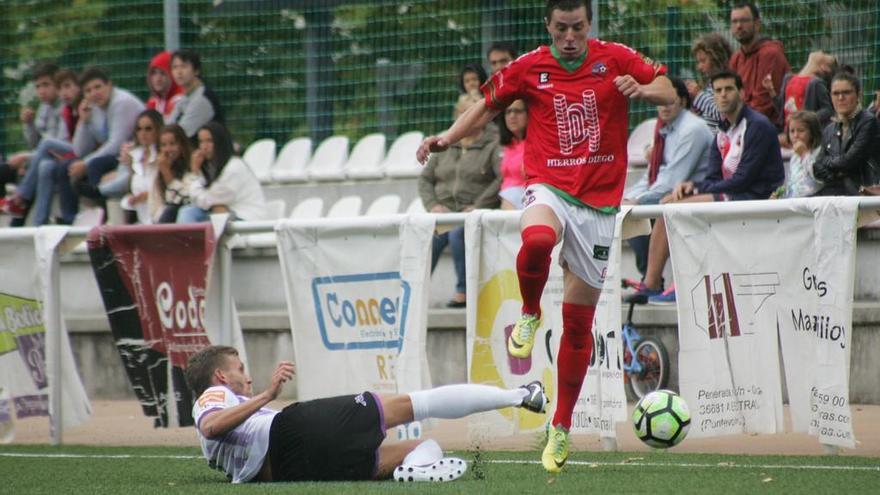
239,453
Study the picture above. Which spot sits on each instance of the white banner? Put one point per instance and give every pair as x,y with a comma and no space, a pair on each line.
494,304
27,353
744,270
357,299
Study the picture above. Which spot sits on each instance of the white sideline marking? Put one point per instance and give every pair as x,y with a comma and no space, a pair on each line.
684,465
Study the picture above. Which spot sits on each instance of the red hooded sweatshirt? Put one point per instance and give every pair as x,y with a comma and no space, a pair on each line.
164,104
765,57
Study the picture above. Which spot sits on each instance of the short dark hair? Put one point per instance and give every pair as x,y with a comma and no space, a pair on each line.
475,68
92,73
568,6
682,92
44,69
189,56
502,46
748,5
848,74
64,75
201,365
726,74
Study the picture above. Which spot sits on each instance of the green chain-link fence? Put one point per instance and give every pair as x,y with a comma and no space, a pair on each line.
285,68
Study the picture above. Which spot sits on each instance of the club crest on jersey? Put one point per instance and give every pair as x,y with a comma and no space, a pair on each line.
599,69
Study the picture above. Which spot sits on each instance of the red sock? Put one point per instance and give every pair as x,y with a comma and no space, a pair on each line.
533,265
574,358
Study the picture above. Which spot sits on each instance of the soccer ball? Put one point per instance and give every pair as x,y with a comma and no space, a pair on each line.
661,419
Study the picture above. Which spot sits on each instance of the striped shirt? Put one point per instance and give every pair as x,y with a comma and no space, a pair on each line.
704,106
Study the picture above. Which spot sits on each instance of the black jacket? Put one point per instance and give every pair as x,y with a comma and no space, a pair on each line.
845,165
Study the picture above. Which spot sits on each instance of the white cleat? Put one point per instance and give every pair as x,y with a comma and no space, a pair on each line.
446,469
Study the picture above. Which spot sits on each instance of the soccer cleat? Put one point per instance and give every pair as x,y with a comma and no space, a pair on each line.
556,452
522,338
446,469
537,400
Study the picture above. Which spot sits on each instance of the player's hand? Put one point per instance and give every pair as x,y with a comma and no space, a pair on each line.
431,144
283,373
628,86
692,87
27,115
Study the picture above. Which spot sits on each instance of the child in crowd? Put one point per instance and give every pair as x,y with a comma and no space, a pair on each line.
805,137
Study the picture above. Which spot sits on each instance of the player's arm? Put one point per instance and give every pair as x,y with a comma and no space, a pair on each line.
657,92
222,421
474,118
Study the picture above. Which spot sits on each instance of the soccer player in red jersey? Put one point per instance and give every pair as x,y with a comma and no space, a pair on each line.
577,93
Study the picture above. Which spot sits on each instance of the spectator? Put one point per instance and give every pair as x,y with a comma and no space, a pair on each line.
164,92
499,55
107,119
806,90
745,163
173,178
874,108
712,53
680,153
805,136
512,137
223,182
141,158
757,57
465,177
471,78
850,156
199,104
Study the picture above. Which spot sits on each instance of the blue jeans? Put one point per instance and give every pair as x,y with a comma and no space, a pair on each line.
67,197
455,239
192,214
31,182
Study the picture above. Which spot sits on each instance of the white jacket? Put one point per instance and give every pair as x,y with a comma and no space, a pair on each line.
237,188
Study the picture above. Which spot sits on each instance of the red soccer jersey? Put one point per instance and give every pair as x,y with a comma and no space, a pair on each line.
577,130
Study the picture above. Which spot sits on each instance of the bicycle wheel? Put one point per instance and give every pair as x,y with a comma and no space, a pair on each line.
651,353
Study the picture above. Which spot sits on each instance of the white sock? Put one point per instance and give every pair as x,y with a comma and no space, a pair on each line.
458,401
425,453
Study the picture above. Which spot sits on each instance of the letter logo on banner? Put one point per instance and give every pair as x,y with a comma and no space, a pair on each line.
715,306
22,331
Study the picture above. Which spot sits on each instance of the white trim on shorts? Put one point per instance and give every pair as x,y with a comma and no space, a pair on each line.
583,230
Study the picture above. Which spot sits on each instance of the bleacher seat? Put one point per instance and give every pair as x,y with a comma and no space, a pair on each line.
329,159
290,166
640,137
346,206
308,208
366,158
401,159
416,207
260,156
276,208
88,217
388,204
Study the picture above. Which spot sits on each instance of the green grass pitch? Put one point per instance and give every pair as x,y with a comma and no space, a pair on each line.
134,470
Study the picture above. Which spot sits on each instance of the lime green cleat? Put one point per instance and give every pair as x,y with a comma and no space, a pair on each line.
522,338
556,452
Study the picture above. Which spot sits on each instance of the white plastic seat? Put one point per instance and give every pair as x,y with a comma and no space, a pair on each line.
366,158
290,166
88,217
640,137
346,206
416,207
308,209
389,204
329,159
260,156
276,208
401,159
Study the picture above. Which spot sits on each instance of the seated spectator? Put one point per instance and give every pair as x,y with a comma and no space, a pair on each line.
223,183
712,53
199,104
805,136
107,119
173,180
164,92
141,158
745,163
499,55
512,137
806,90
874,108
850,156
680,153
471,78
38,186
463,178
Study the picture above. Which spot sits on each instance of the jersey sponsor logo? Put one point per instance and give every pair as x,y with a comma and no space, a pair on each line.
580,160
543,78
212,397
361,311
601,252
359,399
577,122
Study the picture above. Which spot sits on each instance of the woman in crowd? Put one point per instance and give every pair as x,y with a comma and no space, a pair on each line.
805,137
141,158
850,156
512,137
223,182
173,178
463,178
712,53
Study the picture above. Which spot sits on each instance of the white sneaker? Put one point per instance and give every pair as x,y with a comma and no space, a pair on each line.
446,469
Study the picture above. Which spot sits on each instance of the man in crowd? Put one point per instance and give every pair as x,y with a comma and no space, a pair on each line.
164,92
499,55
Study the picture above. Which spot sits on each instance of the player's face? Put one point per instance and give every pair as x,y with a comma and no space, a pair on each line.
236,378
206,144
46,90
668,113
727,97
159,81
826,66
844,97
569,29
516,118
798,131
743,25
498,59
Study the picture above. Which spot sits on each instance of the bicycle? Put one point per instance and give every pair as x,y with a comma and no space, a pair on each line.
645,360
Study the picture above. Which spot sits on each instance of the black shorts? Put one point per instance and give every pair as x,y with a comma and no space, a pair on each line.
334,439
